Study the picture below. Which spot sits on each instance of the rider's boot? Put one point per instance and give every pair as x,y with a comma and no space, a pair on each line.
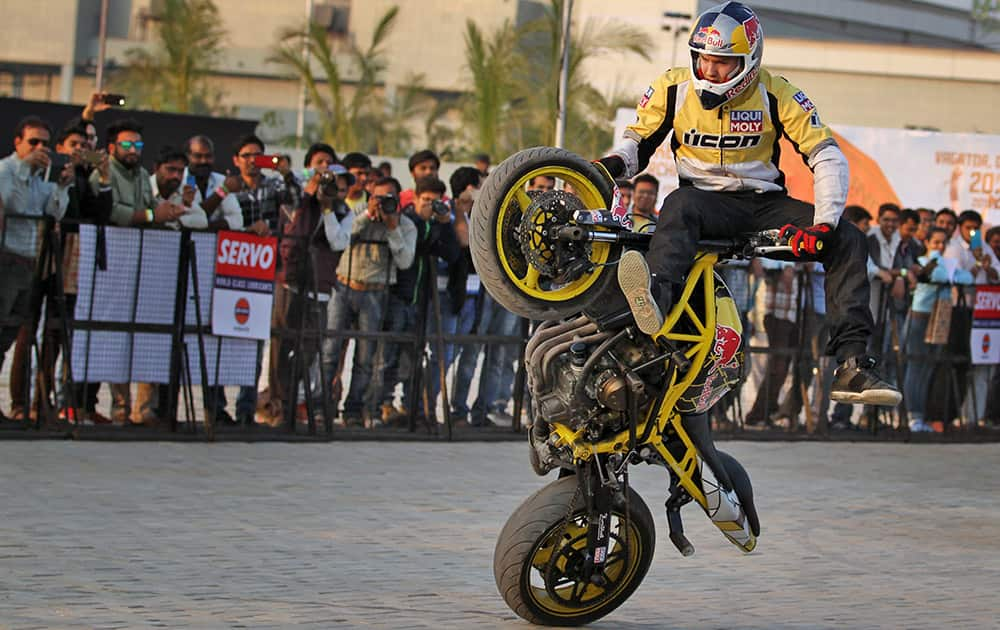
856,381
634,279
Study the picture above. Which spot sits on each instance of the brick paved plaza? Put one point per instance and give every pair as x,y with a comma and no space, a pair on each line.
394,535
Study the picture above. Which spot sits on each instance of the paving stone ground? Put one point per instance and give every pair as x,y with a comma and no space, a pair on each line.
401,535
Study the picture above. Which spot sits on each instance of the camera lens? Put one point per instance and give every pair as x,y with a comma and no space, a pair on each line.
388,204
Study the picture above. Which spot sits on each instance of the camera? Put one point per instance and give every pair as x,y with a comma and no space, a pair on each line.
328,182
388,204
440,207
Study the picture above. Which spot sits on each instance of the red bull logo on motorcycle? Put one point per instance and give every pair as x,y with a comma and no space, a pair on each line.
620,214
727,344
986,343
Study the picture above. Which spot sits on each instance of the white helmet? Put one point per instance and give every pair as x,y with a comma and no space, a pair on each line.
730,29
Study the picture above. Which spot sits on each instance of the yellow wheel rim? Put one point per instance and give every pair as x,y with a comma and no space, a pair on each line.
516,201
619,570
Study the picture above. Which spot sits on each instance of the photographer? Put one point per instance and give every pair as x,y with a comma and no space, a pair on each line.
312,238
382,241
435,238
456,293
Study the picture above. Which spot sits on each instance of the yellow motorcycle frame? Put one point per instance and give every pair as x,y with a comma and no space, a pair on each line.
666,420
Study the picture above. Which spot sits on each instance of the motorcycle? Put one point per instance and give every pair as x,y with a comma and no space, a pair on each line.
604,395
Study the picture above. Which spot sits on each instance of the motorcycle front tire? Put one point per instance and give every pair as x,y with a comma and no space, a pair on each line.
526,543
497,254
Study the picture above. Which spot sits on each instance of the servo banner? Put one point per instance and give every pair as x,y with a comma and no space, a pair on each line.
985,341
244,285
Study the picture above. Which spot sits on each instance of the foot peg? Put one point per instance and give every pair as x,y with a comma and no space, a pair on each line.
677,533
677,499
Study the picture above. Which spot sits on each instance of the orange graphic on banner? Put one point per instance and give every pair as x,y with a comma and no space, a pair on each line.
869,186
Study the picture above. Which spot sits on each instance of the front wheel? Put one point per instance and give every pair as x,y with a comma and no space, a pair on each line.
518,259
539,556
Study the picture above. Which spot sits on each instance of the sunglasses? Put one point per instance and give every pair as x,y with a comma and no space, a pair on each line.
37,141
129,145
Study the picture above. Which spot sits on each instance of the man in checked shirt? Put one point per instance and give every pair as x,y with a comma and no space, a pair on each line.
262,198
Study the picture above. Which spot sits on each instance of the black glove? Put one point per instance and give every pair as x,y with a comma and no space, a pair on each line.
806,240
613,164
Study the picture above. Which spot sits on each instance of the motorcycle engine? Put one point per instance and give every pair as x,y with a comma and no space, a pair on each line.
577,374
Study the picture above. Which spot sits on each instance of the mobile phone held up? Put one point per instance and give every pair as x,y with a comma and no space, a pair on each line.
975,240
266,161
93,158
114,100
57,162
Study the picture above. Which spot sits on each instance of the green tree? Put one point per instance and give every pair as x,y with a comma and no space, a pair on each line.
392,132
175,74
542,47
497,69
344,104
986,13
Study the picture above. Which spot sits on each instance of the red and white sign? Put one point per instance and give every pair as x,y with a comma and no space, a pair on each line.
244,285
985,341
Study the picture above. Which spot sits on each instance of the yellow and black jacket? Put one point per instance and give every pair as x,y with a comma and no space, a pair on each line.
732,147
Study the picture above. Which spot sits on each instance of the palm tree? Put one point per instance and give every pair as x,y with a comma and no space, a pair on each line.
497,69
341,113
392,131
174,75
541,46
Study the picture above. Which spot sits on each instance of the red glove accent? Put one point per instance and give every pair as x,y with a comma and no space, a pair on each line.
805,240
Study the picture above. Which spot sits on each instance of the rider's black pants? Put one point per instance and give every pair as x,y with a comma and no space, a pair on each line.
689,214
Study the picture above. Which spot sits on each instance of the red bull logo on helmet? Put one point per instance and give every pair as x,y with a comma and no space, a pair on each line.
710,36
752,29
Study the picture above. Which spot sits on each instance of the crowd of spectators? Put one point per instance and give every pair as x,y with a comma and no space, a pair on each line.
359,254
361,257
923,266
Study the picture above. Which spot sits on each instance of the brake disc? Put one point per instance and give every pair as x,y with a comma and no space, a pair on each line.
544,252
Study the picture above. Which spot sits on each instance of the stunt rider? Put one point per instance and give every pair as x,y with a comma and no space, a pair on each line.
724,116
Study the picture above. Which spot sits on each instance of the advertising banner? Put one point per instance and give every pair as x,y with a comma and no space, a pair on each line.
985,342
912,168
244,285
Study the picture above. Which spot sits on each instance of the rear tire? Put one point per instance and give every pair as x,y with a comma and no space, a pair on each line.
527,543
501,265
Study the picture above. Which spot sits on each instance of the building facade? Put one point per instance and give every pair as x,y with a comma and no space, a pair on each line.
896,63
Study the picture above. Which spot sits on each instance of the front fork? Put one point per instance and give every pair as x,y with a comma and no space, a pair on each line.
599,485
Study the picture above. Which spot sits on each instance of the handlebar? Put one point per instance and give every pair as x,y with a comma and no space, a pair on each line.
744,246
